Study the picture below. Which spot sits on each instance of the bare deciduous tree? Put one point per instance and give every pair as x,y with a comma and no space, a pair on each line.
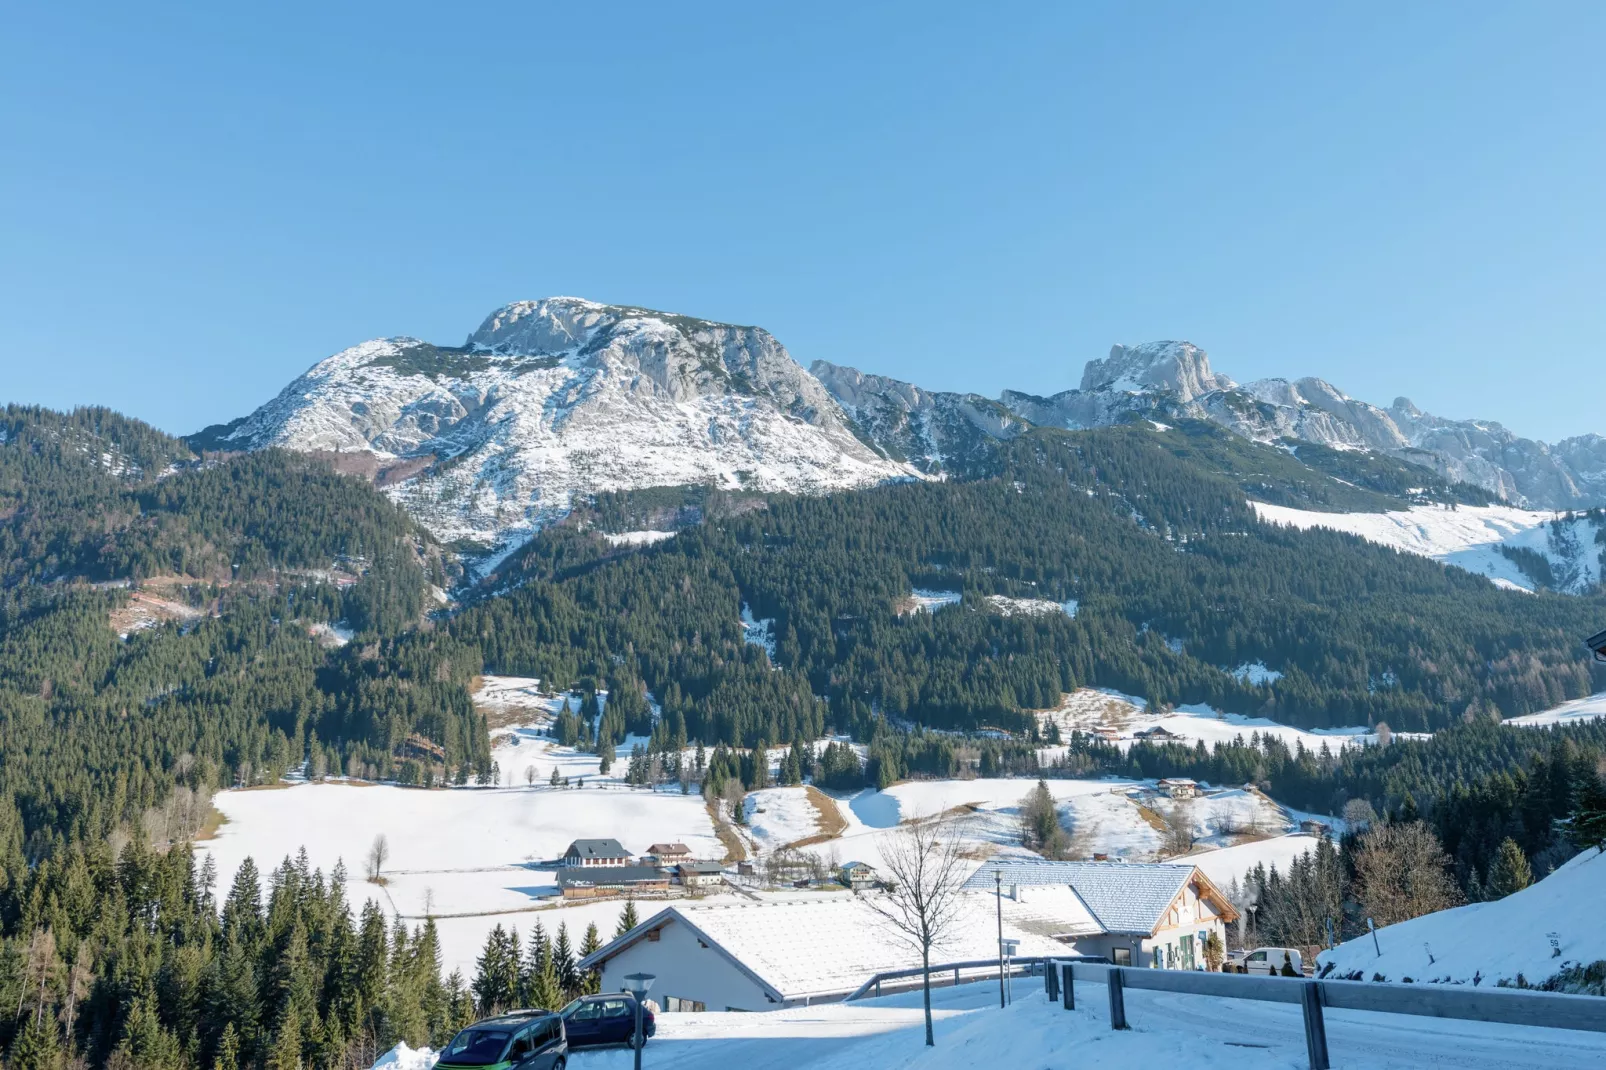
377,854
925,868
1402,872
1179,837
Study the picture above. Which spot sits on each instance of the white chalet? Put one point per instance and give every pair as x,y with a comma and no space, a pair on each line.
765,955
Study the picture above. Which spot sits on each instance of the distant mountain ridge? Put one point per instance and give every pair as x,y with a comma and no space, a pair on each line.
1163,380
560,398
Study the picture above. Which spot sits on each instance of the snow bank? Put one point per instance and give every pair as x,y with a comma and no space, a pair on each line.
1489,942
401,1057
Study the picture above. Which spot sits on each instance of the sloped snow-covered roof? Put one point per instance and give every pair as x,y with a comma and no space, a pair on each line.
1123,897
833,944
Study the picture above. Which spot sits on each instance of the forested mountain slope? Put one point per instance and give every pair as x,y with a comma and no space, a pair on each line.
1176,583
253,554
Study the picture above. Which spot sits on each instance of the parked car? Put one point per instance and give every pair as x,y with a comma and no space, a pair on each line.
520,1040
1273,961
606,1019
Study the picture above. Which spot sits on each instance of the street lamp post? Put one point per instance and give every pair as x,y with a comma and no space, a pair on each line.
998,882
638,984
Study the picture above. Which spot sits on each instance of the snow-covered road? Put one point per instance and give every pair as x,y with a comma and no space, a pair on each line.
1166,1029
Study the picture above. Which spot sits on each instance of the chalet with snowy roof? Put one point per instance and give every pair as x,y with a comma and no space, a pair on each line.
1179,787
596,853
1158,734
766,955
858,875
1133,913
602,882
701,874
667,854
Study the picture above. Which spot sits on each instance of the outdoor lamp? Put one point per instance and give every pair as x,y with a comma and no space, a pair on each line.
638,984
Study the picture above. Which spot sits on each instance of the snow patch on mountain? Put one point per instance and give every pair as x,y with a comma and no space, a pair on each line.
1489,540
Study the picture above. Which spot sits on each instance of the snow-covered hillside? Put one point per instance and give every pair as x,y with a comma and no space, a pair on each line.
1472,537
1547,927
561,397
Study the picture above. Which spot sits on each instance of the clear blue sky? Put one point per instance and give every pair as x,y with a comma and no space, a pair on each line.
197,202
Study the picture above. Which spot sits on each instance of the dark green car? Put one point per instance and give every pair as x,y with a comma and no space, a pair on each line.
520,1040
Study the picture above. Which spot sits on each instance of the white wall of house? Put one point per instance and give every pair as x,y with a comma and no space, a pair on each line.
687,970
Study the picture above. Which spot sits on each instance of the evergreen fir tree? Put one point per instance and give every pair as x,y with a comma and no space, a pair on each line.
38,1046
563,962
228,1049
591,981
627,919
1510,872
285,1052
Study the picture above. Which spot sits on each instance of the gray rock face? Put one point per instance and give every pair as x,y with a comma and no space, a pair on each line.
1178,368
935,431
1161,380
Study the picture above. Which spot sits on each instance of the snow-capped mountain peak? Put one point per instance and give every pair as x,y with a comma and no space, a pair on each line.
562,397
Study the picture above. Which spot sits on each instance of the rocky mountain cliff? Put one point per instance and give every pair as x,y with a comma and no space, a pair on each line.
1168,380
560,397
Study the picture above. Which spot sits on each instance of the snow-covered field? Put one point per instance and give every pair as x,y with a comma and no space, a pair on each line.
779,816
1582,709
1166,1030
1090,708
515,692
475,857
1468,537
1492,941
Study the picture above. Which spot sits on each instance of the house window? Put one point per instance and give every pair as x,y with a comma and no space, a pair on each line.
675,1003
1122,956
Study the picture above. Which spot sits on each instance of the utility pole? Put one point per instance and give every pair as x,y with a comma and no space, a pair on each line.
998,883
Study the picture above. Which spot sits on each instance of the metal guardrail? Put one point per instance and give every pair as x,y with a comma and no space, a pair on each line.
1019,967
1504,1006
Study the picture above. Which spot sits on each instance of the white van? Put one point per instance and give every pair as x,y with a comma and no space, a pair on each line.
1269,961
